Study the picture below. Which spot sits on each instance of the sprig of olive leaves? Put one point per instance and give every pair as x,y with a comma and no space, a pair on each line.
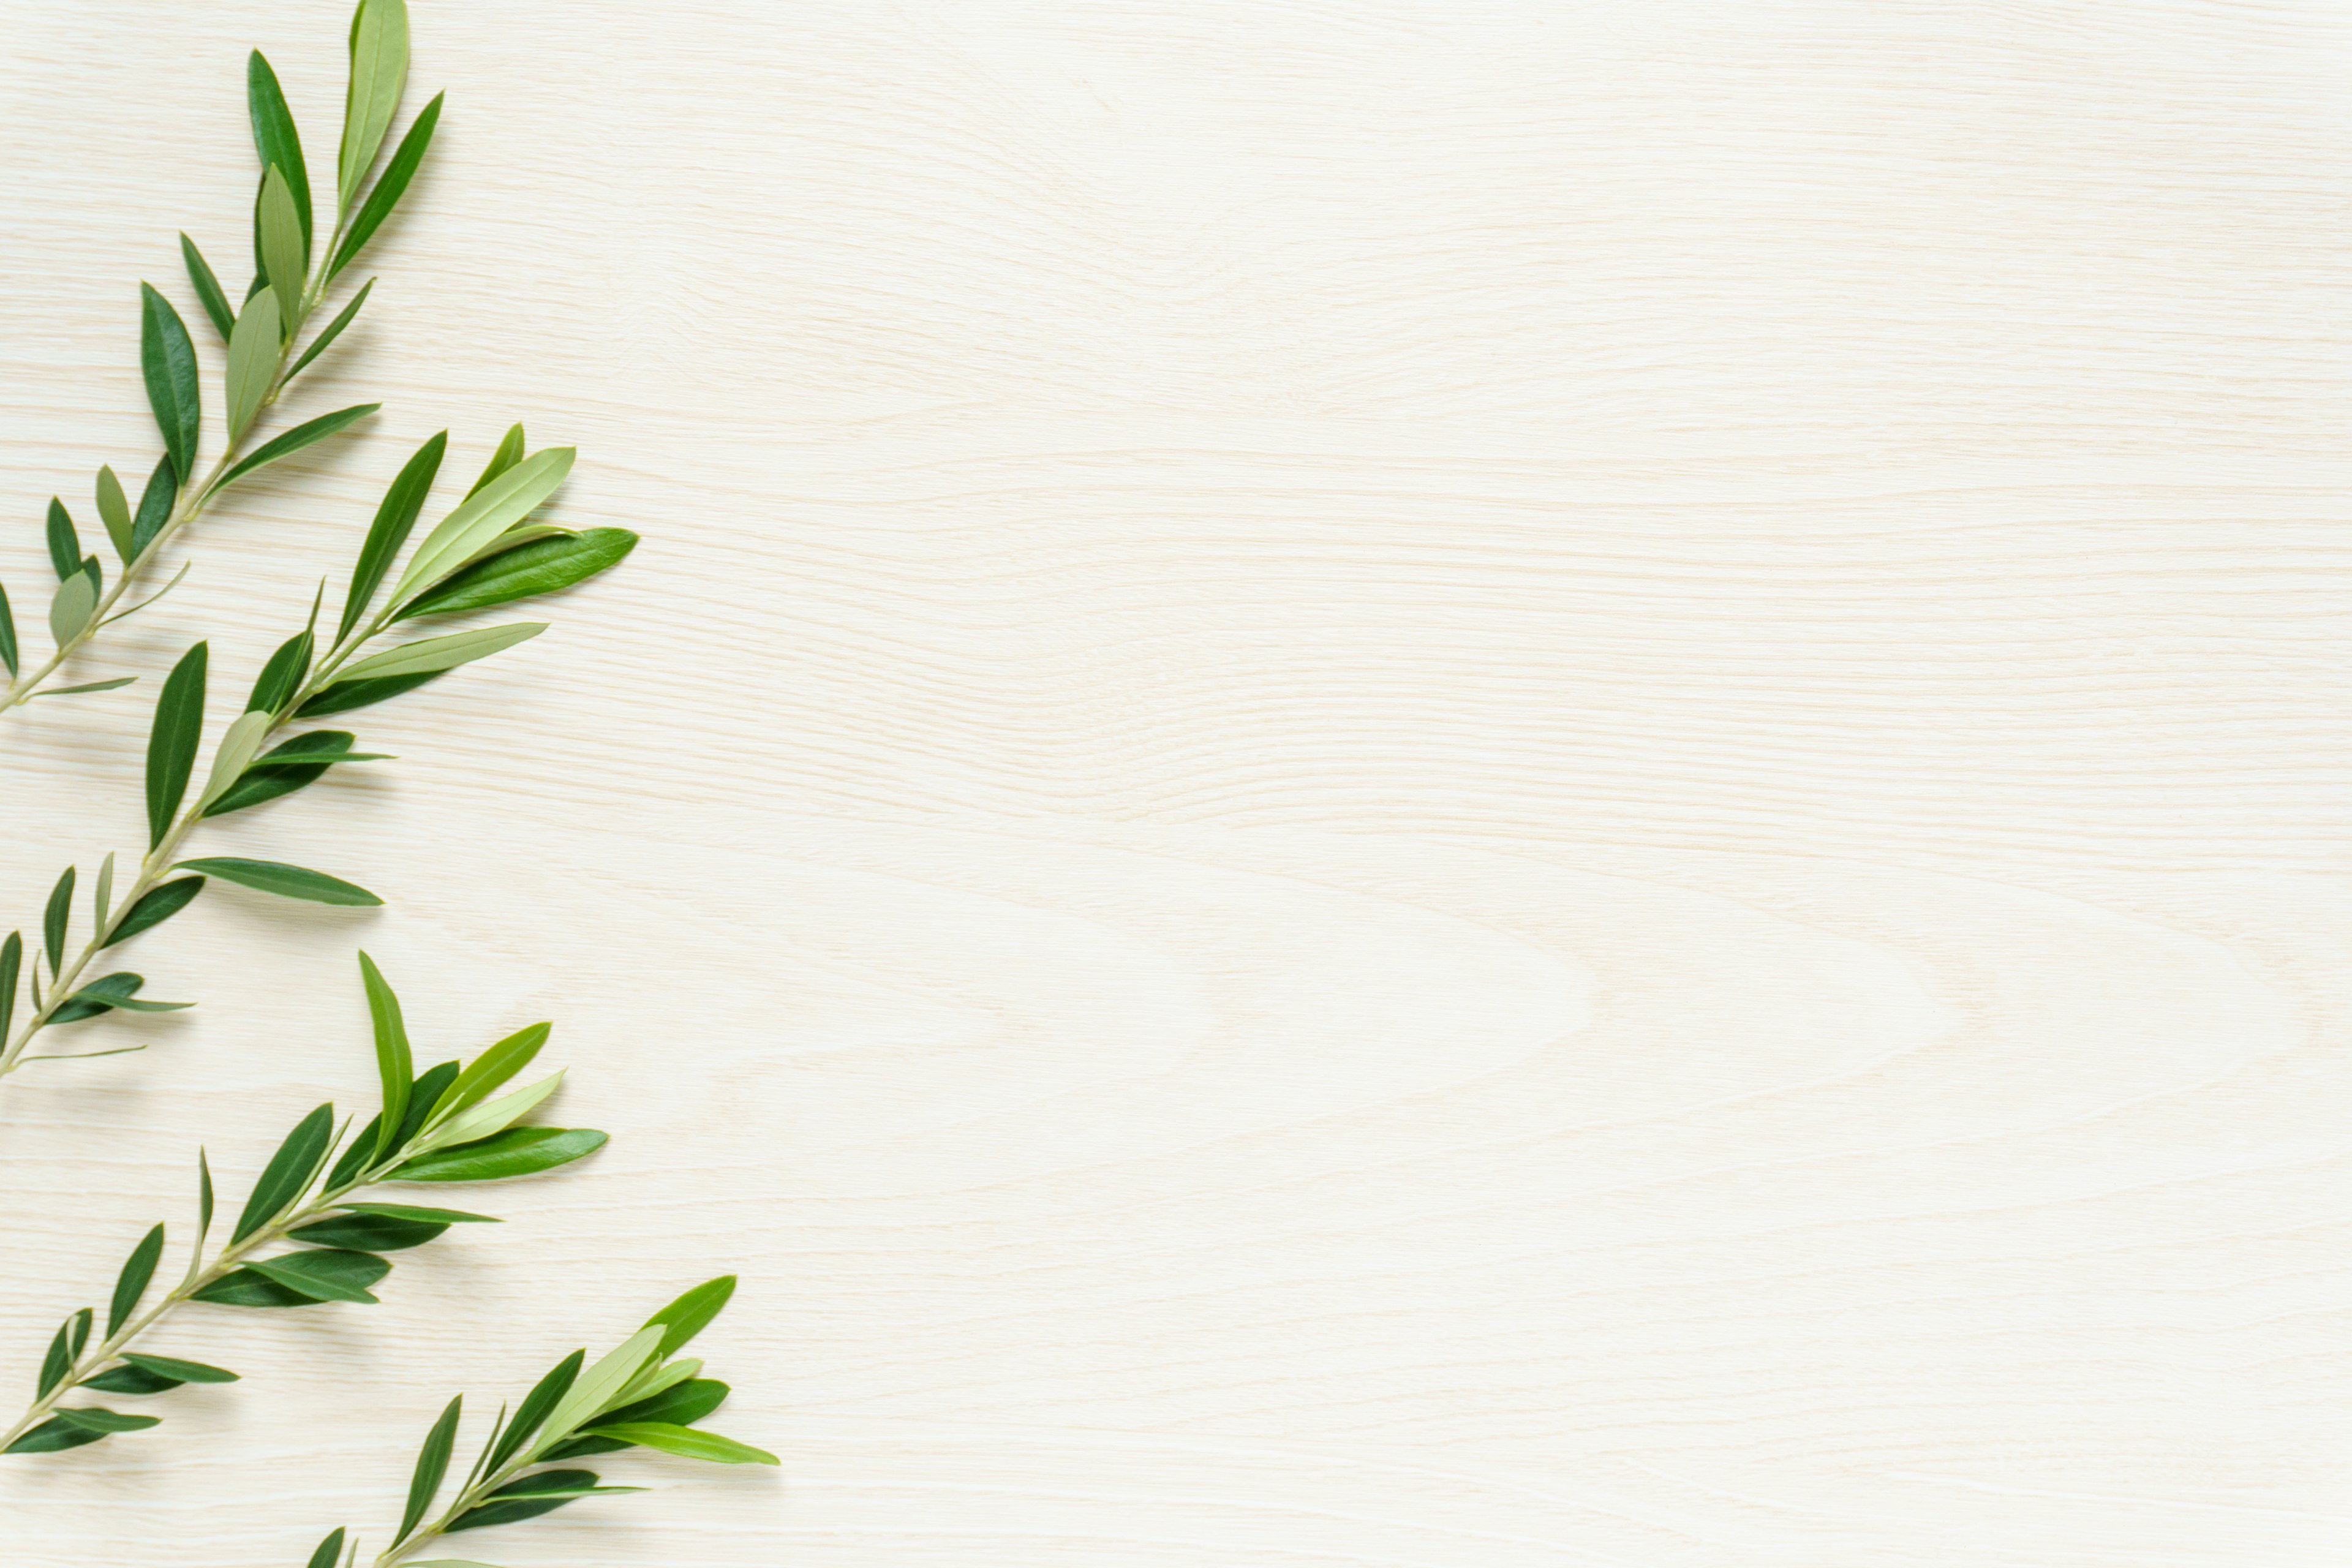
442,1125
294,275
640,1395
486,551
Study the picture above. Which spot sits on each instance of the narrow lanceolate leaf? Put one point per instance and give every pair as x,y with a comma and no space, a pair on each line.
492,1069
283,676
274,137
379,76
114,684
129,1379
604,1379
71,608
517,1152
344,696
56,917
536,1406
326,1275
394,1064
12,967
58,1361
691,1314
521,573
305,435
528,1497
168,361
237,748
329,1552
56,1435
171,742
484,515
108,1421
252,360
414,1215
688,1442
367,1233
289,1173
432,1466
181,1370
681,1405
436,654
334,330
79,1323
278,242
154,506
103,994
8,655
385,197
64,543
209,292
114,511
286,881
496,1116
280,771
138,1272
154,907
508,452
394,520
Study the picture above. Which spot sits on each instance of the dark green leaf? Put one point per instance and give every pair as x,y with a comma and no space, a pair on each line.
243,1287
11,968
105,1422
334,330
208,287
326,1276
168,360
275,140
421,1095
185,1371
389,186
509,453
282,676
171,742
535,1408
691,1314
272,773
389,532
294,440
379,44
80,1322
286,881
346,695
64,543
289,1170
54,1437
394,1064
688,1442
528,1497
54,917
329,1552
154,907
585,1448
432,1466
8,636
540,567
129,1379
517,1152
154,507
117,990
423,1215
367,1233
60,1360
90,686
138,1272
680,1404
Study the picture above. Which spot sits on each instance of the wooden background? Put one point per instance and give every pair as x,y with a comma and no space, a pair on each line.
1400,784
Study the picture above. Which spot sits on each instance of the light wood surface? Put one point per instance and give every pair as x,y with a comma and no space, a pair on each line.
1412,784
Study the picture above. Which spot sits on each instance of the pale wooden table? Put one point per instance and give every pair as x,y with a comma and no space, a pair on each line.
1448,783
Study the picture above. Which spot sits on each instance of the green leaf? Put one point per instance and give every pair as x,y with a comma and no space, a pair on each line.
12,967
181,1370
275,140
290,1171
208,288
421,1215
55,1435
484,515
378,75
273,774
481,1121
367,1233
395,1064
334,330
130,1285
171,742
508,452
203,1197
129,1379
681,1405
278,243
432,1466
346,695
492,1069
329,1552
64,544
540,567
60,1360
114,684
243,1287
168,361
56,917
8,654
325,1275
102,899
286,881
71,608
689,1443
529,1496
394,520
691,1314
604,1378
108,1422
154,506
253,354
154,907
282,676
517,1152
118,990
435,654
114,511
389,189
544,1397
294,440
80,1322
235,752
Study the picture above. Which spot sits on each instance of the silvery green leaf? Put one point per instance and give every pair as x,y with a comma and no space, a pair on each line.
379,76
253,350
167,362
114,510
274,137
441,653
208,288
237,748
490,1071
286,881
72,606
484,515
55,917
483,1121
277,771
395,1064
607,1377
334,330
656,1378
102,898
278,242
688,1442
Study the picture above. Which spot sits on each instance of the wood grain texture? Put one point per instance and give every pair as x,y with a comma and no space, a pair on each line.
1390,784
